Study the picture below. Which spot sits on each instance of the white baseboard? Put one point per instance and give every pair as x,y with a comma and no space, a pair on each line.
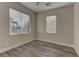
14,46
63,44
76,50
68,45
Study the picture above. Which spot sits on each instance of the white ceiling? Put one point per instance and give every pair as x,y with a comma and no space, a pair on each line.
42,7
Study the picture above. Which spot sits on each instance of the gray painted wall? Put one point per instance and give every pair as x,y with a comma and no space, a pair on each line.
64,33
76,27
7,40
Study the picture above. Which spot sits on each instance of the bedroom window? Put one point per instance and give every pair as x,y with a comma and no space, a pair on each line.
51,24
19,23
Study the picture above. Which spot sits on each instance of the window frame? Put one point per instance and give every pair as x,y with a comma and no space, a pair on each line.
46,24
20,19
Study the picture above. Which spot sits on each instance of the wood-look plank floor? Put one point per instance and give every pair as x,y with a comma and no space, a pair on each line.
38,48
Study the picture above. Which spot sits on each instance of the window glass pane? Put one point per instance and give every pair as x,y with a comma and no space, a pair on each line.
19,22
51,24
25,23
14,15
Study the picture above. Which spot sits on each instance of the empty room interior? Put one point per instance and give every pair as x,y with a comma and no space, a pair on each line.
39,29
